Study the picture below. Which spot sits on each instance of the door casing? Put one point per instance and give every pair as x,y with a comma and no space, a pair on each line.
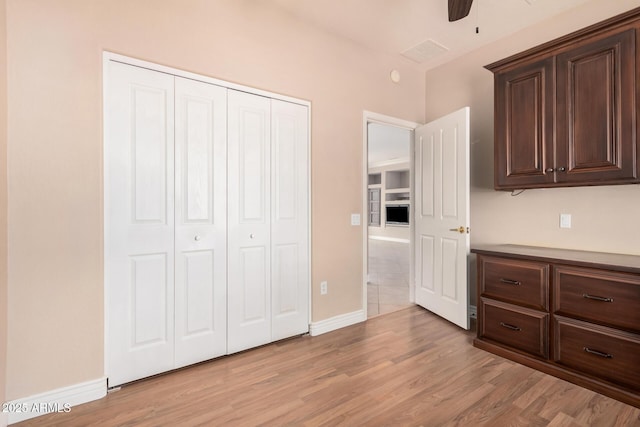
371,117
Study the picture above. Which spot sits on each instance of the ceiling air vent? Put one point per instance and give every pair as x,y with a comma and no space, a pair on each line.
424,51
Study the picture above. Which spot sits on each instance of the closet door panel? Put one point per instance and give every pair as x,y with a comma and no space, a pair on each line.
200,228
139,216
249,251
290,219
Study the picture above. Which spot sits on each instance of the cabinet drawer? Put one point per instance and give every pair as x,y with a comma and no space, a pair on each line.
518,327
603,297
606,353
520,282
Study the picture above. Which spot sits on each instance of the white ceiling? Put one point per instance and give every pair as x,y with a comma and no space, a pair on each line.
387,144
394,26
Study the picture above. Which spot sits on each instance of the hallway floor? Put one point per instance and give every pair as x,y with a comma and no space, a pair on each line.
388,283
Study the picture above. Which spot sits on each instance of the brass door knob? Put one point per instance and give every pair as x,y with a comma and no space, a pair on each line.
459,229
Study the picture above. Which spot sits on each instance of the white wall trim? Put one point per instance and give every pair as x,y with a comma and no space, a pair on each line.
59,400
390,239
4,419
337,322
111,56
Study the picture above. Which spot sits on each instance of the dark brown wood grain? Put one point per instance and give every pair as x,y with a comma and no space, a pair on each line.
516,281
524,108
566,114
595,123
603,352
595,313
598,296
518,327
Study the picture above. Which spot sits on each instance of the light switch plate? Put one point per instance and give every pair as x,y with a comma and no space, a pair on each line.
565,220
355,219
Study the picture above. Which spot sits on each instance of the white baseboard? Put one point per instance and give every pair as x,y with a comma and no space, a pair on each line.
59,400
337,322
390,239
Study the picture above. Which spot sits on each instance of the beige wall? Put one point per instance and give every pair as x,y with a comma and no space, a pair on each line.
3,204
604,218
55,335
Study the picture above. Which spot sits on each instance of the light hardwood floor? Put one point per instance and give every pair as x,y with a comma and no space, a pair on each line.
408,367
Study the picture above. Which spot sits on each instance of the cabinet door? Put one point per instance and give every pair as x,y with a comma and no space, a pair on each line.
249,201
596,130
524,99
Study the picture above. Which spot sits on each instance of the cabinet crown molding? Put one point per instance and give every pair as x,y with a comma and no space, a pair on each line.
630,17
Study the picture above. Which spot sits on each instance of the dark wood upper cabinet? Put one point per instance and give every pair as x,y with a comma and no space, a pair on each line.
565,112
595,116
524,125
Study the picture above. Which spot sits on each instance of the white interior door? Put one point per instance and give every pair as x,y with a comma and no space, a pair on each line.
249,201
441,210
200,221
290,219
139,218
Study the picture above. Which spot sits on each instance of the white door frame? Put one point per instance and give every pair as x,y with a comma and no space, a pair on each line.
371,117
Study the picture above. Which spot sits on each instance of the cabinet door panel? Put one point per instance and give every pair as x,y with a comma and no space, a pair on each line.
524,125
596,120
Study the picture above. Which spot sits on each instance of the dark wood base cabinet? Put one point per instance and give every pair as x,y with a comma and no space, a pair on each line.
571,314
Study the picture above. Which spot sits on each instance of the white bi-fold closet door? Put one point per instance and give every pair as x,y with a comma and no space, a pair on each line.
206,221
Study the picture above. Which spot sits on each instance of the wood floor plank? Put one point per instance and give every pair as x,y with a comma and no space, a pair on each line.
407,368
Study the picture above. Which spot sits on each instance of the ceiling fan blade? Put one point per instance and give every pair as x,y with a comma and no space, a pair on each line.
458,9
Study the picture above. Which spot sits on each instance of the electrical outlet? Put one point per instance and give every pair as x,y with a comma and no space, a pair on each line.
355,219
323,288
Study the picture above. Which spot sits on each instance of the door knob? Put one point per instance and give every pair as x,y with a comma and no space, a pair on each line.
251,236
459,229
196,238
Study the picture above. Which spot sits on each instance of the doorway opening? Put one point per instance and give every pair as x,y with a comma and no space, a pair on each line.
387,247
439,224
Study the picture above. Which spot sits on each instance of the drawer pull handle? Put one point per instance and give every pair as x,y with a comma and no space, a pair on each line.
598,353
508,326
597,298
511,282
